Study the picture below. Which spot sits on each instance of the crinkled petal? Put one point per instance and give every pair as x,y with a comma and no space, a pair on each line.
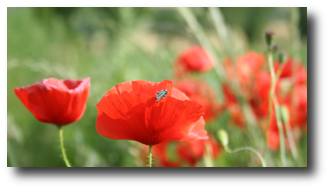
177,94
139,117
141,86
51,100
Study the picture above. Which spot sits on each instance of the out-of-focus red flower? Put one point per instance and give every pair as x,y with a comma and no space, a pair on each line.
244,71
248,65
287,68
161,153
301,77
192,151
203,94
233,107
297,105
129,111
260,94
59,102
259,99
196,58
288,71
273,134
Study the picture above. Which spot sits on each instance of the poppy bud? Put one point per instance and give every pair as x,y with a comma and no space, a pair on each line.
223,137
282,57
285,114
270,38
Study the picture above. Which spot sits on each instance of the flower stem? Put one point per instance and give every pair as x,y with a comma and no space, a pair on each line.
62,147
280,130
291,142
150,155
270,64
276,106
262,160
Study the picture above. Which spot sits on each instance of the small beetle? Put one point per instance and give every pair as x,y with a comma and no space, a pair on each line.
161,94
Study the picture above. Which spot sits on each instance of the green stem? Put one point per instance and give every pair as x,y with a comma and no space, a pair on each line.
150,155
280,130
270,61
292,143
276,106
62,147
262,160
208,157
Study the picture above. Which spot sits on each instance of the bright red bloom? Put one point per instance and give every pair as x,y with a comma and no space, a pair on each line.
203,94
129,111
298,114
161,153
233,107
245,70
297,105
59,102
288,71
260,94
301,77
287,68
193,151
195,58
248,65
273,134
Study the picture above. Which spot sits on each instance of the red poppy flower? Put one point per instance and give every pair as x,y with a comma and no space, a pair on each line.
203,94
246,68
248,65
273,134
161,154
260,94
297,105
129,111
300,105
59,102
193,151
301,77
233,107
195,58
287,68
287,71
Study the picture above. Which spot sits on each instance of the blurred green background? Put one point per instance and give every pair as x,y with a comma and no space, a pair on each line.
113,45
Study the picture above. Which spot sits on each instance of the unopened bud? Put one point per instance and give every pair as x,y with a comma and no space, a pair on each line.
285,116
282,57
223,137
270,38
274,48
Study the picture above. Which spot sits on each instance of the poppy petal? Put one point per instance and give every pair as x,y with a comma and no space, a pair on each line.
135,115
141,86
176,93
55,101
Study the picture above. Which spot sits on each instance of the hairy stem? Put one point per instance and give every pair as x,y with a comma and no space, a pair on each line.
150,155
67,163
